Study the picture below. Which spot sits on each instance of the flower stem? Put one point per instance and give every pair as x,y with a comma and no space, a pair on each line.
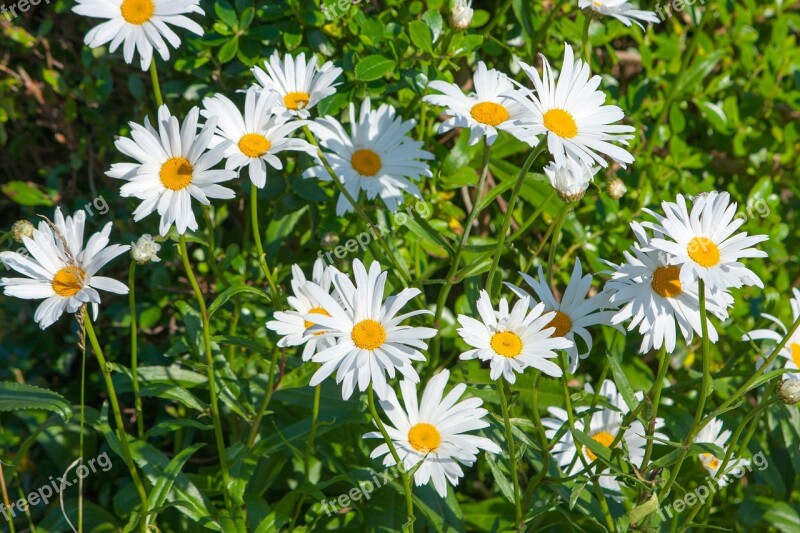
265,402
585,44
121,435
512,452
262,257
212,380
409,526
501,238
562,215
663,366
137,400
156,85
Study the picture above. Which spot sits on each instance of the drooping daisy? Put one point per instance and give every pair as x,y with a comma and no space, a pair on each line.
570,179
574,313
378,156
173,167
653,298
139,25
292,325
368,340
436,430
791,350
61,270
621,10
703,243
484,111
300,85
572,114
512,341
713,434
255,137
602,426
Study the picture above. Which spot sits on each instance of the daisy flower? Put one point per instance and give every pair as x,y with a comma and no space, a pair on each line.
622,10
572,114
514,341
378,156
255,136
139,25
299,85
484,111
435,430
602,426
712,433
368,340
173,167
61,270
791,350
653,298
292,325
573,313
703,243
571,178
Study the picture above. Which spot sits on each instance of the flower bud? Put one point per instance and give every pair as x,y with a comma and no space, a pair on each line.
789,390
461,14
145,249
22,228
570,179
329,241
616,188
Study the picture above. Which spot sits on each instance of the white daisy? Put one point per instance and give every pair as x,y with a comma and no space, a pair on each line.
378,156
573,313
704,244
791,350
514,341
712,433
653,298
602,426
484,111
299,85
292,325
173,167
572,115
61,270
571,178
621,10
369,341
255,137
436,431
141,25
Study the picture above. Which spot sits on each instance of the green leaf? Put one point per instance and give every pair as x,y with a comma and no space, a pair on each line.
223,298
373,67
421,36
621,380
226,13
158,495
645,509
27,193
21,396
228,50
172,392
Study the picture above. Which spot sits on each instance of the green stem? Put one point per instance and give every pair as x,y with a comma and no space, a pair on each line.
105,369
5,496
562,215
262,409
156,85
408,527
585,44
212,244
512,453
82,423
501,238
212,379
544,445
262,257
663,366
137,400
598,491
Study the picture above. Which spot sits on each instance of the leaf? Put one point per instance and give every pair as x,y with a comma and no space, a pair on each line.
500,479
27,193
645,509
226,13
373,67
228,50
701,68
223,298
21,396
621,380
784,517
158,494
175,393
421,36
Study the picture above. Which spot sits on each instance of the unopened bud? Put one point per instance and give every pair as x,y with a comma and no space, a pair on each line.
22,228
461,15
145,250
570,179
789,390
616,188
329,241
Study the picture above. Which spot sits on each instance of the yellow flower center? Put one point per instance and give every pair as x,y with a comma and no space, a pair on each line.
254,145
368,334
605,438
316,311
68,281
489,113
561,123
366,162
295,101
562,323
795,347
137,12
176,173
506,344
666,281
424,437
703,252
711,461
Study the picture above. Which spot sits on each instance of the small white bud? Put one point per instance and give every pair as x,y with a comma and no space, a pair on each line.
570,179
616,188
461,14
22,228
145,250
789,390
